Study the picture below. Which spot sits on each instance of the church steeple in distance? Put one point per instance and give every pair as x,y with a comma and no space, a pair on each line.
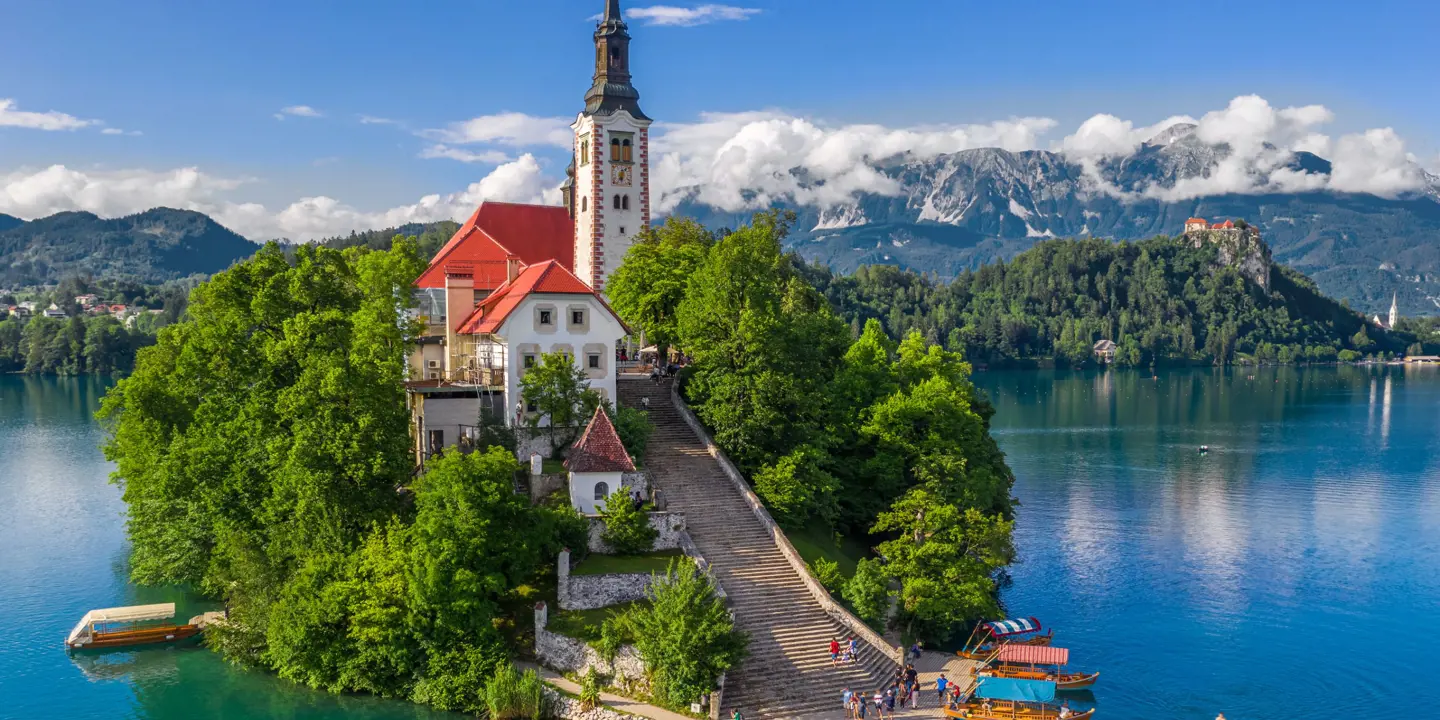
611,89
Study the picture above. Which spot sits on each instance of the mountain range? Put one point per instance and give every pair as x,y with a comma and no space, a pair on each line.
152,246
973,207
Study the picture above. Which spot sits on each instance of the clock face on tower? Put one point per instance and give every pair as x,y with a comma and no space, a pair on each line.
620,175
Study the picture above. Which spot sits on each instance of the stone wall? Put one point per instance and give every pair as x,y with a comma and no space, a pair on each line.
669,526
545,441
782,543
588,592
567,654
543,485
564,706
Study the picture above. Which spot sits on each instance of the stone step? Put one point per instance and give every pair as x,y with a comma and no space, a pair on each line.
788,673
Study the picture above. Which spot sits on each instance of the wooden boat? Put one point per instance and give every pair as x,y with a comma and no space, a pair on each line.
988,637
976,710
127,626
1036,663
995,698
1063,680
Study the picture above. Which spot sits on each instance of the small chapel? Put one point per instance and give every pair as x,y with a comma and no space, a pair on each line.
520,280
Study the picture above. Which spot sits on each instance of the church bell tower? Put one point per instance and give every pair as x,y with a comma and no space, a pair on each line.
609,196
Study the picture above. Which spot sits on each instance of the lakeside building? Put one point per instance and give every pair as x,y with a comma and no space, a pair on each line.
1105,351
1394,317
518,280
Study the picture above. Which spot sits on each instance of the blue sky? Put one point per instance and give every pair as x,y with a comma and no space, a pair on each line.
141,92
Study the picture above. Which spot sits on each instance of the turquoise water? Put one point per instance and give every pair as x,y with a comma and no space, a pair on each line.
1294,568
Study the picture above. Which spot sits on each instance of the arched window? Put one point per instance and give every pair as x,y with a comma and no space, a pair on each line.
617,202
602,491
615,149
624,202
584,204
625,150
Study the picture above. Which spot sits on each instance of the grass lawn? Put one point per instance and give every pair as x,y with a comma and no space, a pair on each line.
818,541
597,564
584,625
552,467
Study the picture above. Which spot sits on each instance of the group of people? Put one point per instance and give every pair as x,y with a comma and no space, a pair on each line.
848,653
902,692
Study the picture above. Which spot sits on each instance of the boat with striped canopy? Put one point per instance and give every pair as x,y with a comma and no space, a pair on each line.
995,698
987,637
1035,662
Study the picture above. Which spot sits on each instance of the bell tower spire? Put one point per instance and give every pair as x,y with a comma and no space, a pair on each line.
610,89
610,193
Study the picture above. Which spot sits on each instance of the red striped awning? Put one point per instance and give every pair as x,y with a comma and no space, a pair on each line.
1033,654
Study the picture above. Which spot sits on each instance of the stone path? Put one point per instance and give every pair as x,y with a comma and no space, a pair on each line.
614,702
788,673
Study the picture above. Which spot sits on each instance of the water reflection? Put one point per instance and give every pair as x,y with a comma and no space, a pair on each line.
1314,520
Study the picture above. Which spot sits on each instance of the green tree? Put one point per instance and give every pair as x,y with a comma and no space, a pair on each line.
650,283
797,487
685,637
558,390
944,558
262,438
627,527
868,591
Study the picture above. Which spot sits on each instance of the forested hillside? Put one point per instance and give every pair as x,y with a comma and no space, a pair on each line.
153,246
1161,300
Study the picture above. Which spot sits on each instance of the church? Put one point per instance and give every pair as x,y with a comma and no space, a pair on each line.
517,280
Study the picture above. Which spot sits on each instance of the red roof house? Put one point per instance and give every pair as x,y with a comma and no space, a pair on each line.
599,448
499,232
548,277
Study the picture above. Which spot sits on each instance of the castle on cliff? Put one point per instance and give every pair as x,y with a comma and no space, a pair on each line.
1239,244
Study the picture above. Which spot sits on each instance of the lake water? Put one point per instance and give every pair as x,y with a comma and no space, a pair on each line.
1293,568
1291,571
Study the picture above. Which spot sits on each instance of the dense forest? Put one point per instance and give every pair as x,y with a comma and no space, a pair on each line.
153,246
86,342
858,435
1161,300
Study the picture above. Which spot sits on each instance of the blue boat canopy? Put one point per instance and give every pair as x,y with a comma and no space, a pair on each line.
1014,626
1015,689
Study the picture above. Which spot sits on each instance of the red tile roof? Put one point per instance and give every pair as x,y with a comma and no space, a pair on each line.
500,231
599,448
1226,224
1195,220
548,277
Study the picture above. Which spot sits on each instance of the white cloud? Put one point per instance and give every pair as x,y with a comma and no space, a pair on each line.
690,17
748,160
31,194
1109,135
118,131
1261,142
463,155
304,111
1374,162
513,129
372,120
53,120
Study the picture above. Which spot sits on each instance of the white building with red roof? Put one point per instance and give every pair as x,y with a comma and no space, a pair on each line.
485,292
597,463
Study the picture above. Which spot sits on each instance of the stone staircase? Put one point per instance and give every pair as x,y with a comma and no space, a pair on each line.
788,673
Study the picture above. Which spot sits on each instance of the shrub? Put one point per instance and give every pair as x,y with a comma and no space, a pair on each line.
590,690
686,637
828,573
627,527
634,428
511,695
868,591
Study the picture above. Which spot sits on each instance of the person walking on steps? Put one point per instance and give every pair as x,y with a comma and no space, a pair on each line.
834,652
940,684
